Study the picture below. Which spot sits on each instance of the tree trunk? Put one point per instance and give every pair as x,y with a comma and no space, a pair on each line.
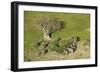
46,35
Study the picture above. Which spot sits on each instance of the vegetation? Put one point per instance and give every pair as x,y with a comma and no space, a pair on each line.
49,36
49,25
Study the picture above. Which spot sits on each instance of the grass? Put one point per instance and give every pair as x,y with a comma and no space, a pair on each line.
75,24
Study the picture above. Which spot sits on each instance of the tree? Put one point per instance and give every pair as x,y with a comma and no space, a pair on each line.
49,25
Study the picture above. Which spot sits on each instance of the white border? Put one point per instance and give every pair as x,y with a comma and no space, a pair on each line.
22,64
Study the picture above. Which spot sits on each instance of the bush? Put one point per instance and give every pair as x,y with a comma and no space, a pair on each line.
58,45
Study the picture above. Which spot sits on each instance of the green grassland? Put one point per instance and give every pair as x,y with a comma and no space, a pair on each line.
74,24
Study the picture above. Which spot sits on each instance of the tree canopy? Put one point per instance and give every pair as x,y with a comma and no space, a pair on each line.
50,24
